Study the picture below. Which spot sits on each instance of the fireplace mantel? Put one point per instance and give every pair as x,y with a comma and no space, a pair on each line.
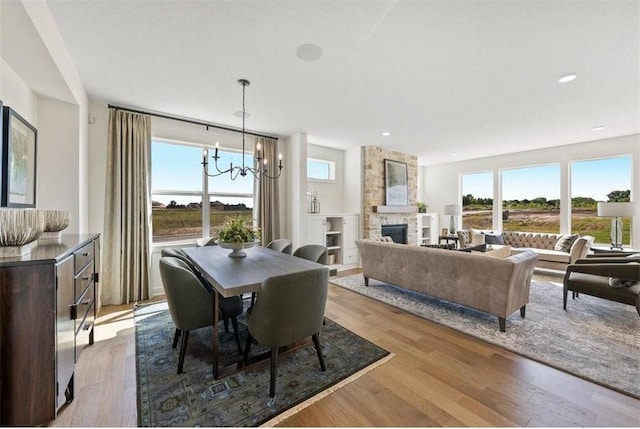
395,209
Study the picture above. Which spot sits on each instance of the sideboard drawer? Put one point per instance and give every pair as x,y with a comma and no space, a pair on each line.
83,256
82,281
85,331
83,305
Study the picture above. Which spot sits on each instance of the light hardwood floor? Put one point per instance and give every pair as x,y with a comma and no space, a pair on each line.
438,377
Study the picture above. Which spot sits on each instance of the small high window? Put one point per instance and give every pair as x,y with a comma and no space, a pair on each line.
320,169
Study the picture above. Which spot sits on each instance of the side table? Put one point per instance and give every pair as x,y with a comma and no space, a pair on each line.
448,238
608,251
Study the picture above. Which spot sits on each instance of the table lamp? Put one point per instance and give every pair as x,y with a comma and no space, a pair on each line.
453,210
617,210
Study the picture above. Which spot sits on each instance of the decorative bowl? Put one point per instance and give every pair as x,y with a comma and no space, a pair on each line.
18,228
237,249
55,222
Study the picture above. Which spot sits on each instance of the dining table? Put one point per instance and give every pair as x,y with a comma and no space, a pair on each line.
233,276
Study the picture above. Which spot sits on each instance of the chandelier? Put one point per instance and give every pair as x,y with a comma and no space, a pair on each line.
262,168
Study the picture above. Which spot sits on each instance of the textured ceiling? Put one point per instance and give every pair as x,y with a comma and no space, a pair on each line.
470,78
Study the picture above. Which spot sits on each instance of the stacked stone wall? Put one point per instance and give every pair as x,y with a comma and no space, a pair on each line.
374,194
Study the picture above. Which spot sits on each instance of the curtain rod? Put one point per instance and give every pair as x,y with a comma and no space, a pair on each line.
189,120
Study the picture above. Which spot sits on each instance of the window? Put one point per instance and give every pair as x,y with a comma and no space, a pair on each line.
607,179
477,200
319,169
531,199
179,202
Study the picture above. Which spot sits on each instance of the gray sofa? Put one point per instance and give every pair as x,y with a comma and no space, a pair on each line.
546,246
497,286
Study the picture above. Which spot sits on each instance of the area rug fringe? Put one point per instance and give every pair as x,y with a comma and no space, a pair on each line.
294,410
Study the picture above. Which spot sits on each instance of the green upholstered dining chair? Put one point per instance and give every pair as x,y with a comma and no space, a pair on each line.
281,245
312,252
228,303
288,308
190,303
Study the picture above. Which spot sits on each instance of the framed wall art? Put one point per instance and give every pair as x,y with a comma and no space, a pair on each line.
396,190
19,142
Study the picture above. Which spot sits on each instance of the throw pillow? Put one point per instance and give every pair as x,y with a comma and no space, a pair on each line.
565,242
617,283
493,239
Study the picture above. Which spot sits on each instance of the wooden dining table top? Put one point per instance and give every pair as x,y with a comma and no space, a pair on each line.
235,276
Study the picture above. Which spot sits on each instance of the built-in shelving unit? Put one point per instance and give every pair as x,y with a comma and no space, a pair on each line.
427,228
338,232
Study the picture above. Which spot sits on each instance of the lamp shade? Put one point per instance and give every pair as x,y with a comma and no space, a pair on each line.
452,209
616,209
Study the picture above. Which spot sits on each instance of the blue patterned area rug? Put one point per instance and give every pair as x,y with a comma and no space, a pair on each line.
595,339
193,398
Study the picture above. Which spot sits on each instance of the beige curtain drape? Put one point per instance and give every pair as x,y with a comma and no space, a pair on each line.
266,193
127,242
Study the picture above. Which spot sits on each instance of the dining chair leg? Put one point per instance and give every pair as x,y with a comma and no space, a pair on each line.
226,326
176,337
274,371
247,347
316,342
183,350
236,333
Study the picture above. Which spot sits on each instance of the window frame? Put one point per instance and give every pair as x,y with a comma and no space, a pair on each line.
332,170
205,195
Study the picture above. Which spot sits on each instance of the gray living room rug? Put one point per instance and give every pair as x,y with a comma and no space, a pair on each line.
596,339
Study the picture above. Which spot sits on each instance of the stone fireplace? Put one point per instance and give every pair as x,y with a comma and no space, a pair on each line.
374,194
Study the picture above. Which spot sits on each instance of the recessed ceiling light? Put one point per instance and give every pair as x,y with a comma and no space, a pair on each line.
309,52
386,133
567,78
454,154
598,128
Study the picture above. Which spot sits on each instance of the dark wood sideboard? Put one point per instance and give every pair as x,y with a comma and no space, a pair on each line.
47,313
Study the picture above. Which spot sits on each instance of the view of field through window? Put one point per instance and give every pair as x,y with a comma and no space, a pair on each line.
531,197
177,191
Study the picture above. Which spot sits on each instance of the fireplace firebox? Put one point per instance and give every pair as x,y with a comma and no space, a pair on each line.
397,232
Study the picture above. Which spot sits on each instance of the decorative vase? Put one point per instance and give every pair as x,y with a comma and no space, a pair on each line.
19,228
237,249
55,222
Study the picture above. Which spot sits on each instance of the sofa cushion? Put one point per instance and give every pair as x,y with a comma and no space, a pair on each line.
544,254
565,242
493,239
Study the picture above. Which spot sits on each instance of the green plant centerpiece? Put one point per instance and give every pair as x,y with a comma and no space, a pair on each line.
422,207
236,234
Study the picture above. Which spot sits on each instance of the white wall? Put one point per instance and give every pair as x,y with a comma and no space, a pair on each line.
330,194
58,111
59,158
441,183
17,95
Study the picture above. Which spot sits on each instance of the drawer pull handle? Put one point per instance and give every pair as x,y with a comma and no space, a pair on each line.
86,254
86,326
86,277
87,302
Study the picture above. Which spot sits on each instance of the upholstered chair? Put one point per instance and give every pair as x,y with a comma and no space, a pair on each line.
288,308
229,303
281,245
312,252
209,241
190,303
464,237
613,278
